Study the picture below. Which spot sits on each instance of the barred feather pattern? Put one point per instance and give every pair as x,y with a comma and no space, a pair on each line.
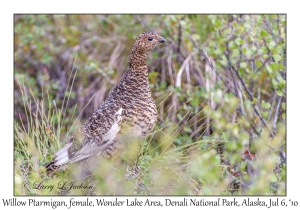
129,108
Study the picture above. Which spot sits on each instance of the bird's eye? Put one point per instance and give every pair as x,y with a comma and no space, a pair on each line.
150,38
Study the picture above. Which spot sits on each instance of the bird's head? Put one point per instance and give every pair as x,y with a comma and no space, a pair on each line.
146,41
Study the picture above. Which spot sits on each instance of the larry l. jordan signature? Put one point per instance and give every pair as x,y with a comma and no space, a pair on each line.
62,185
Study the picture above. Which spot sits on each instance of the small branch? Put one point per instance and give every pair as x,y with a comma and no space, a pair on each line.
264,63
179,35
276,114
227,53
253,127
268,25
243,83
272,106
141,21
278,27
253,70
237,92
254,107
204,54
283,75
282,156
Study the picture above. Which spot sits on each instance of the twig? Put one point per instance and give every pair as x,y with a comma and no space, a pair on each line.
179,35
264,63
243,83
268,25
204,54
254,107
253,70
276,114
230,70
141,21
282,156
272,106
227,53
279,32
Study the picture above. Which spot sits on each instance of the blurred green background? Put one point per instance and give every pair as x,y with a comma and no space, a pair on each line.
219,83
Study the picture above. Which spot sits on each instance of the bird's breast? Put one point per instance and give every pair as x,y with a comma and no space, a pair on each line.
140,116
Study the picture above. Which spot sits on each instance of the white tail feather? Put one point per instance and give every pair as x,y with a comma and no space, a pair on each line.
62,156
62,160
66,147
89,149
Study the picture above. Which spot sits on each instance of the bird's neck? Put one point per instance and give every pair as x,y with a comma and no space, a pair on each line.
137,73
137,59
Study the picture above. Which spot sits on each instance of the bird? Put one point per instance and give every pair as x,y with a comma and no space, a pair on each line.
129,110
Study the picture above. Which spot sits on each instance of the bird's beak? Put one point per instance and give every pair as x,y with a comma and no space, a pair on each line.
162,40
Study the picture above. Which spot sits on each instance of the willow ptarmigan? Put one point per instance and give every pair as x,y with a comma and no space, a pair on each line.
129,107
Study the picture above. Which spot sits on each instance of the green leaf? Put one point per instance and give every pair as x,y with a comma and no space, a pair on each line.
274,66
225,136
196,36
182,22
265,105
283,105
258,63
148,157
235,52
218,51
273,177
244,164
274,82
231,45
265,114
243,64
272,44
248,54
238,41
263,33
278,92
277,58
232,146
173,18
218,23
269,69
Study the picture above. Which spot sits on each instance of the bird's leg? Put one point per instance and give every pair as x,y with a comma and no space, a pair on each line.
136,168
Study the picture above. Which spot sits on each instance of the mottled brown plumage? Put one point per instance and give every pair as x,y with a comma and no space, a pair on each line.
129,110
